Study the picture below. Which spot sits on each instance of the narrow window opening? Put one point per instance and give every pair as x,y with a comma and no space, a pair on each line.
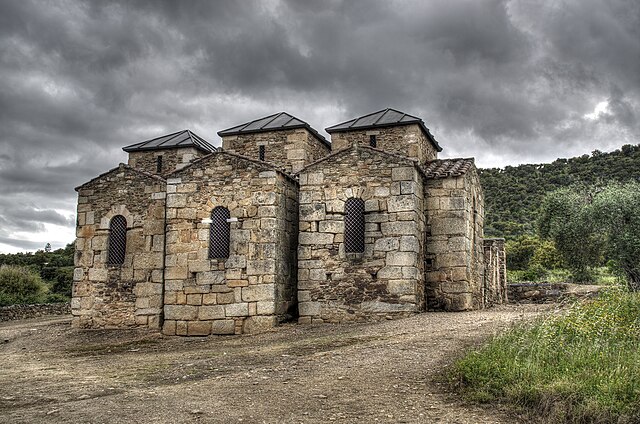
159,164
261,153
219,233
354,225
117,240
372,141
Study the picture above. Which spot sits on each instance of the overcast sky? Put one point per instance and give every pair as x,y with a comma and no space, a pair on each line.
507,82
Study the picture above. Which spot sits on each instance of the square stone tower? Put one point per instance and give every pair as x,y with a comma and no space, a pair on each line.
280,139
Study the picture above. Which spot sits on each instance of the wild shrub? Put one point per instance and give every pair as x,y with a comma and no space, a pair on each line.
19,285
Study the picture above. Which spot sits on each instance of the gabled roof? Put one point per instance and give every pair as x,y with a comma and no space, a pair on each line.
184,138
444,168
120,168
275,122
333,155
381,119
221,152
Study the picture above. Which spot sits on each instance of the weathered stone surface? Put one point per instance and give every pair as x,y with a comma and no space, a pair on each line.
211,312
387,244
259,292
198,328
237,310
180,312
226,326
259,324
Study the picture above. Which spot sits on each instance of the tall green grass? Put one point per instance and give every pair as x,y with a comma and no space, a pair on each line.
580,367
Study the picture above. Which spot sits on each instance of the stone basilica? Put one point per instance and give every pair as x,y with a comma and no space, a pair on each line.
281,224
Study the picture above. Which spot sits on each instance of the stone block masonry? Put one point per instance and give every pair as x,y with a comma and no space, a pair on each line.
405,140
274,227
130,294
387,278
291,150
454,250
254,287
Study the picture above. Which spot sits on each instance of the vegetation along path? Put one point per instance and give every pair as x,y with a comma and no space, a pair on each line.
379,372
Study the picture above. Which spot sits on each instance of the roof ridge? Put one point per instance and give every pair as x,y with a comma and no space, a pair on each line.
380,117
172,137
359,146
169,141
221,151
123,166
276,116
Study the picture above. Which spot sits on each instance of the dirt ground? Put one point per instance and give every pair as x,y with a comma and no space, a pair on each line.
388,372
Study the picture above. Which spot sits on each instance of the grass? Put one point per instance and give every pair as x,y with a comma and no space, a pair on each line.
580,367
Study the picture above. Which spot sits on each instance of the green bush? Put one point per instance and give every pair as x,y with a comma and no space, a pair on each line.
19,285
529,251
580,367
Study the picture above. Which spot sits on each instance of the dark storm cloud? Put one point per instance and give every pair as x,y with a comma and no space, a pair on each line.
505,81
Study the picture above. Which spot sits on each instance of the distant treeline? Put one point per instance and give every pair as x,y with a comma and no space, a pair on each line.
55,268
514,194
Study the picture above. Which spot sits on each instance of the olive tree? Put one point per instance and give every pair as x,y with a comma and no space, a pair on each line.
566,217
616,209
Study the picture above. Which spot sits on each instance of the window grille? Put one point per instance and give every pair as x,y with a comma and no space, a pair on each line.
117,240
219,233
354,225
261,153
159,164
372,141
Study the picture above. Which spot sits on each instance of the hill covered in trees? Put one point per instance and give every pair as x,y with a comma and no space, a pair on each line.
514,194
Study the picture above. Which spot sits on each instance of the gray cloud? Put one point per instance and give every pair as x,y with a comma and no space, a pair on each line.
507,81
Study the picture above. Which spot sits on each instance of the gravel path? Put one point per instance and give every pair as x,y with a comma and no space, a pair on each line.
381,372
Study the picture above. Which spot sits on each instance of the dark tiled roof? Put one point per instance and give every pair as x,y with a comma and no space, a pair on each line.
383,118
275,122
444,168
183,138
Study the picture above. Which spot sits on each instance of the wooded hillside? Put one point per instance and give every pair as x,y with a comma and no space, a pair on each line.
514,194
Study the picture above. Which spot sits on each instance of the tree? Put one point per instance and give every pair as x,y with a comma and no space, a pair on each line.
566,218
617,211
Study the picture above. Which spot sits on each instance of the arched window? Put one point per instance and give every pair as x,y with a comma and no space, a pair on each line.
219,233
354,225
117,240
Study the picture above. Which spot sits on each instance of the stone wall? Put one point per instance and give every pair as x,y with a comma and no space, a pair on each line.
385,280
289,149
15,312
172,159
127,295
254,288
495,274
454,251
406,140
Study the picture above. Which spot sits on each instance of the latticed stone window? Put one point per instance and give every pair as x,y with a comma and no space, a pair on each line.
373,142
261,150
354,225
219,233
117,240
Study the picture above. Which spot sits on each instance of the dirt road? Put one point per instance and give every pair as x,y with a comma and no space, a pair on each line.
389,372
